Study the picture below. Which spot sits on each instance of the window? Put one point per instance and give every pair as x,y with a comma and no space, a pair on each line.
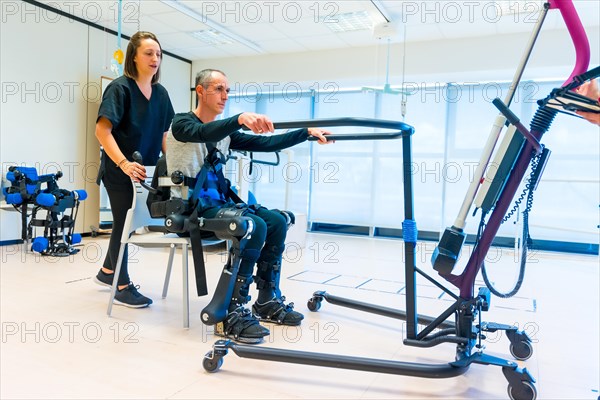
286,185
342,185
360,183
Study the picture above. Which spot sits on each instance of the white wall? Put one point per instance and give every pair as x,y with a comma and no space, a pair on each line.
51,68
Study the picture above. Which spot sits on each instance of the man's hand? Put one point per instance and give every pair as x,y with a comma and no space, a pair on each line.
257,123
320,133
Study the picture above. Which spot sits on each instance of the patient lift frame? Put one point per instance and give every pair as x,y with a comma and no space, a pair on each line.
467,329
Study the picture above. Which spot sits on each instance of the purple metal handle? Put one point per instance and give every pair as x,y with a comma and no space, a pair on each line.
465,281
578,35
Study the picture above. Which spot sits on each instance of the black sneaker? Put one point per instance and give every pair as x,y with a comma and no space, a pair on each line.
104,279
242,326
130,297
276,311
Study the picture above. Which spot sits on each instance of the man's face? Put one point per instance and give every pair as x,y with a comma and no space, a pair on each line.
216,93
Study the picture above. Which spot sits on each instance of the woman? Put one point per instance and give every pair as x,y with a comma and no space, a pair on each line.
134,115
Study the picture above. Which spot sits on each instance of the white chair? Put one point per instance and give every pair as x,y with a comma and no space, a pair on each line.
138,219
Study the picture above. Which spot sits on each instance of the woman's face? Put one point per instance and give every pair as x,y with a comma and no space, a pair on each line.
148,57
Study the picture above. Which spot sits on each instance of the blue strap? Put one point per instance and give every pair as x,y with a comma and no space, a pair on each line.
200,179
409,231
210,181
210,189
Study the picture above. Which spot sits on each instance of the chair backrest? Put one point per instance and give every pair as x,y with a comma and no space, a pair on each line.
155,215
138,215
163,193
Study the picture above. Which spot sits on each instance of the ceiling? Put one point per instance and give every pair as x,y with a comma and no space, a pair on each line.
275,27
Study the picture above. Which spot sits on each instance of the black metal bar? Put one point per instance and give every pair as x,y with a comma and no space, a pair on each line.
436,283
427,342
347,362
379,310
362,136
438,321
24,232
513,119
586,76
255,161
410,257
348,121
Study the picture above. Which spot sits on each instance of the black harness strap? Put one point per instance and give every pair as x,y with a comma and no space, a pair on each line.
198,254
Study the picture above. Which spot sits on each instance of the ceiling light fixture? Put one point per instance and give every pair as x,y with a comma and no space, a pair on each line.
212,37
347,22
216,28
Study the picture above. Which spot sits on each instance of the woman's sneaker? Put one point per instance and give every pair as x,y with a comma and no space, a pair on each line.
276,311
104,279
130,297
242,326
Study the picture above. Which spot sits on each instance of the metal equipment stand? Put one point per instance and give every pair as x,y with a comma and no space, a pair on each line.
464,332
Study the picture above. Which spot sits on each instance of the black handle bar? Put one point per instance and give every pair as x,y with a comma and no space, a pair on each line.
514,120
510,116
402,128
347,121
581,78
255,161
361,136
137,157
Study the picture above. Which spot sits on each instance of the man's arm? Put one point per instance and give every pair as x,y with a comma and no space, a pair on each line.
188,128
251,142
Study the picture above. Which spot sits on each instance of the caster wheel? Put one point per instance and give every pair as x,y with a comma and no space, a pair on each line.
212,363
524,391
314,304
521,350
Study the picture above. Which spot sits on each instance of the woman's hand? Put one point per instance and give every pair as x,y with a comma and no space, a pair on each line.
135,171
257,123
320,133
594,118
589,89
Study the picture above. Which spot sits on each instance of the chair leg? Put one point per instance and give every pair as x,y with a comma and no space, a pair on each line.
184,278
113,289
168,273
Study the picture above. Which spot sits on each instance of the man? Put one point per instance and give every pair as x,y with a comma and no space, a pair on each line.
196,135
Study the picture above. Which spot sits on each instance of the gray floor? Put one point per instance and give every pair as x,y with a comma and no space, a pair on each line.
57,341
